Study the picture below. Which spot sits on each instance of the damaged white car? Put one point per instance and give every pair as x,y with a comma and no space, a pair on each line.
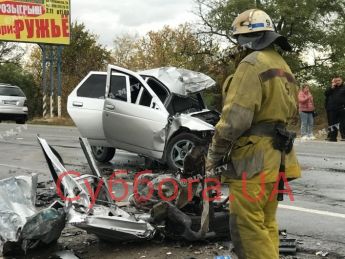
158,113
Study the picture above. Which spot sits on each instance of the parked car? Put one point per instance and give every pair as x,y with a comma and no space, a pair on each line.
13,104
158,113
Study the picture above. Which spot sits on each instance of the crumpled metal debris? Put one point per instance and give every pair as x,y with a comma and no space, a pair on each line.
181,81
20,223
179,218
104,218
108,221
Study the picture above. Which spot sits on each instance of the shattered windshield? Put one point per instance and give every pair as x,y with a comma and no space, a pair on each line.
185,104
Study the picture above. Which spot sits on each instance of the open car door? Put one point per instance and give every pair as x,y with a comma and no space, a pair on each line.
134,118
85,104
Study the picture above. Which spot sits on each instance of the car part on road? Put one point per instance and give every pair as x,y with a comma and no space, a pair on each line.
103,154
104,218
108,221
20,223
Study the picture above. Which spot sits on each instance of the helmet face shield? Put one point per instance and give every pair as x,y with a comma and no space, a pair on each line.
259,41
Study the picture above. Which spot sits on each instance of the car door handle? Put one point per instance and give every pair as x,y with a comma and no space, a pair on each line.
78,104
110,107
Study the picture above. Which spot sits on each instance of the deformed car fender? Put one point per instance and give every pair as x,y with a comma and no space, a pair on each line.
189,122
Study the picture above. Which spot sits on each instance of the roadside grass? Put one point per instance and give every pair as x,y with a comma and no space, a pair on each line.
63,121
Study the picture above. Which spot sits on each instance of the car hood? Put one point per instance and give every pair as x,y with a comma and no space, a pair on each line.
179,80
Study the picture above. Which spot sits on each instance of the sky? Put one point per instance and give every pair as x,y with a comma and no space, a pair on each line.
111,18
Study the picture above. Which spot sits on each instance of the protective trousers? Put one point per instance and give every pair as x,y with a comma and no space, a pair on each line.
253,225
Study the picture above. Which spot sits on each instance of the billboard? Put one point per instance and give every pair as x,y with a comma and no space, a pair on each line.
36,21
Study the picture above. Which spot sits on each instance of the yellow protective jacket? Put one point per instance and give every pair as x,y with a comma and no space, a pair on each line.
262,89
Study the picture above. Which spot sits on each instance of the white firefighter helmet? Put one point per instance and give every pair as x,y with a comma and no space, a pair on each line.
253,20
255,30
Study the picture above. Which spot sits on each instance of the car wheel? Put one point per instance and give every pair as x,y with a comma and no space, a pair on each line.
21,121
103,154
178,147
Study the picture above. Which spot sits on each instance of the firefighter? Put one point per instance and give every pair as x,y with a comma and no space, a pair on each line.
261,98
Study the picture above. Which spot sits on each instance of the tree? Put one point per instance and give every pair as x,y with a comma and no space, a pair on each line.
167,47
179,47
83,55
308,25
10,52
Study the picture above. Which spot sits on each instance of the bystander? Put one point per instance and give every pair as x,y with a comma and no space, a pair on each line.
335,107
306,112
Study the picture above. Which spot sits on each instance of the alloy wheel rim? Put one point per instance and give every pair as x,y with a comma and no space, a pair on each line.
179,152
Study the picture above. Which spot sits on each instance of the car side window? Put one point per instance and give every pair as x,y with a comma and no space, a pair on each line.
146,98
118,88
139,93
159,90
135,87
93,87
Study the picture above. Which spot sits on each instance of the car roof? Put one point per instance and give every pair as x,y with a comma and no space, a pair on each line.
177,80
8,85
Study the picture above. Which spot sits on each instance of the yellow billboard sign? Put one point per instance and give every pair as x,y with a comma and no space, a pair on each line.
37,21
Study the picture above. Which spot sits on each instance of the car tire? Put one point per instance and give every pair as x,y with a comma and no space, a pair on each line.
21,121
103,154
178,147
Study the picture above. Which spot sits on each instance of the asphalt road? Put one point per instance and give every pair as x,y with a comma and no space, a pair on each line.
316,216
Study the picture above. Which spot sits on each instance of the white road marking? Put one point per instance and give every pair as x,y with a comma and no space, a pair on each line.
319,212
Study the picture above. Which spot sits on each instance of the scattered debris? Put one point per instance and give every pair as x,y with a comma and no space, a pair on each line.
322,253
97,213
66,254
287,246
72,234
103,218
45,197
41,185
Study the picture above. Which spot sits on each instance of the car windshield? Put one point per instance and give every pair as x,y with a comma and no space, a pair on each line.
185,103
11,91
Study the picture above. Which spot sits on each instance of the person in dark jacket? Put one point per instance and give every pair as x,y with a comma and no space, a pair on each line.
335,107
